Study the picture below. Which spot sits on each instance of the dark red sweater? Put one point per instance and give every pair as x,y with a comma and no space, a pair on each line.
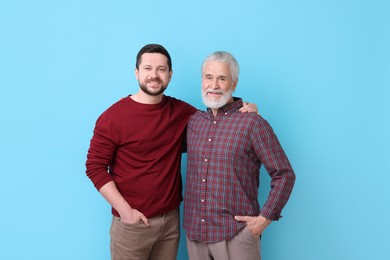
138,146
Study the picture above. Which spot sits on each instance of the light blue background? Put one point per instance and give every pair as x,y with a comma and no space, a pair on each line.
318,70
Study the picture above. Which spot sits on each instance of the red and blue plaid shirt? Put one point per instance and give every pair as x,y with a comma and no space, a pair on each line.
225,154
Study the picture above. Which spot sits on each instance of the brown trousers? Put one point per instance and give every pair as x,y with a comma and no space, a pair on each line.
243,246
139,242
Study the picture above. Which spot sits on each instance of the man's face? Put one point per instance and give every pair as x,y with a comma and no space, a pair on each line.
153,74
217,84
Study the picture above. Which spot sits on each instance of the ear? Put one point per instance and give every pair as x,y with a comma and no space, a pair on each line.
136,73
234,85
170,75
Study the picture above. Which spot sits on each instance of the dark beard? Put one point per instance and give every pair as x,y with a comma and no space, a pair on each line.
145,89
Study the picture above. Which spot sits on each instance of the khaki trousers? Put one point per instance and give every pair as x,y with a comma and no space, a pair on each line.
138,242
244,246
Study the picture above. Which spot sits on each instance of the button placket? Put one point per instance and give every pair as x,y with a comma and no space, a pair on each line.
206,163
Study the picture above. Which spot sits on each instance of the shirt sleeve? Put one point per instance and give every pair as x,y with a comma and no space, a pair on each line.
275,161
101,152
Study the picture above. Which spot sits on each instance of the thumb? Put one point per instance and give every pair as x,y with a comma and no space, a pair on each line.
145,220
240,218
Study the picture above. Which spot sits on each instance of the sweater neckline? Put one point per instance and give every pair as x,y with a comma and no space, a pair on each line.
147,106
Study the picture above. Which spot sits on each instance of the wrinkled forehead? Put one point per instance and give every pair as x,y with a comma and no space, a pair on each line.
216,68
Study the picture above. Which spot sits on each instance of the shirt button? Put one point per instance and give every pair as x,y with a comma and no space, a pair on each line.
215,122
209,139
203,220
202,200
203,180
225,114
205,160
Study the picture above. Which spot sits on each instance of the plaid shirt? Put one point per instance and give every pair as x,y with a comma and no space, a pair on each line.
225,154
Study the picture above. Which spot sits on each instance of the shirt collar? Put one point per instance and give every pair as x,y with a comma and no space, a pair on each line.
229,108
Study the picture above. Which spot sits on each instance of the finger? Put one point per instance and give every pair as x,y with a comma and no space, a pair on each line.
145,220
240,218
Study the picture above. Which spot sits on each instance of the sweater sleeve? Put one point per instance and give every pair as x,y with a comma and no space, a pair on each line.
101,152
275,161
191,110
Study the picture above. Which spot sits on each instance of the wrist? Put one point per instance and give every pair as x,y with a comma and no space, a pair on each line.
264,220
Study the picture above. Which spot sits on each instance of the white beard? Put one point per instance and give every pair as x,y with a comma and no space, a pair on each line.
216,103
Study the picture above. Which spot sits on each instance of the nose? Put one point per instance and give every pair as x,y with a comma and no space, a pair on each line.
153,73
214,84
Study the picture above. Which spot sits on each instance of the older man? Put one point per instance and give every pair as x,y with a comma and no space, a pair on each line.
226,149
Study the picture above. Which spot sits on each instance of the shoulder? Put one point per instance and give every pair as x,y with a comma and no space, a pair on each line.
180,104
199,118
257,118
117,105
254,121
261,128
252,117
114,110
199,113
177,101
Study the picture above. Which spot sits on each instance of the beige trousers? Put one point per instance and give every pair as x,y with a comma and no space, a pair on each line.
244,246
138,242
